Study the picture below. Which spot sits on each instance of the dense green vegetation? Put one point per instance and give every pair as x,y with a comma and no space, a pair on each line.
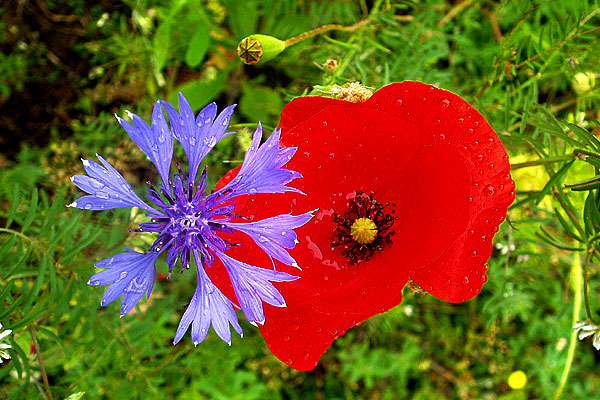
531,67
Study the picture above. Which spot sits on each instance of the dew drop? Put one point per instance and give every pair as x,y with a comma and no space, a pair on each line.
306,356
306,154
461,120
88,206
318,329
470,130
465,279
483,278
102,195
324,123
445,103
490,141
295,327
331,156
325,278
122,276
480,157
252,191
442,136
491,165
399,102
490,190
289,361
286,338
483,238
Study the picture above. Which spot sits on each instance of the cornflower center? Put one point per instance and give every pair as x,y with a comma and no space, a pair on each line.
364,229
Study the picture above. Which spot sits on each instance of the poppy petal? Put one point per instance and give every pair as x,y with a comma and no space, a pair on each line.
461,272
410,144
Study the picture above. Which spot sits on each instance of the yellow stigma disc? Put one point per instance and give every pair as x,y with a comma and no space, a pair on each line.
363,230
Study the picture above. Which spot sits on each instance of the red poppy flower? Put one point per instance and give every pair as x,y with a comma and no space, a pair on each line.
429,181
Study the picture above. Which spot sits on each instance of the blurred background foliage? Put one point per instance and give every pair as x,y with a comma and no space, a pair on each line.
531,67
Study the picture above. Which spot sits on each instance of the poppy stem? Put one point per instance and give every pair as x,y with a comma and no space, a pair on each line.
325,28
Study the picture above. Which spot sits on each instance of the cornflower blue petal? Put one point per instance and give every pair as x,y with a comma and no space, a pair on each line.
155,141
253,285
262,170
208,305
275,234
107,188
130,274
197,135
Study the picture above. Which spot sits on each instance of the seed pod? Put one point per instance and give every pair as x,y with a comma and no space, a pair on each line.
259,48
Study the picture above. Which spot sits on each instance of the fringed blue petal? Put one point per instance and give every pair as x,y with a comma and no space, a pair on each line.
208,305
129,274
253,285
155,140
262,170
197,135
107,188
275,234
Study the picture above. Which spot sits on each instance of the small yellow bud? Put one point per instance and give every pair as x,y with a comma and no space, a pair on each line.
363,230
583,82
517,380
259,48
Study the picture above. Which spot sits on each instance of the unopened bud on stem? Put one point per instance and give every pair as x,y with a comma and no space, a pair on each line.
259,48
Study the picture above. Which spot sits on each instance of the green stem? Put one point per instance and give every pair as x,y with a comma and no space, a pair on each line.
588,309
41,361
576,283
543,161
325,28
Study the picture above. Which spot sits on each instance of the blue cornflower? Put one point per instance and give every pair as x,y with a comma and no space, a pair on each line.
190,223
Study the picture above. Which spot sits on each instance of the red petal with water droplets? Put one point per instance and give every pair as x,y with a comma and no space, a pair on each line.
411,144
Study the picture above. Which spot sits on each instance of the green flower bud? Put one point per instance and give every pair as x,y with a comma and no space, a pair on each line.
259,48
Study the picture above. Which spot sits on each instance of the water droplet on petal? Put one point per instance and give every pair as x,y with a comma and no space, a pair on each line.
465,279
88,206
445,103
490,190
461,120
286,338
331,156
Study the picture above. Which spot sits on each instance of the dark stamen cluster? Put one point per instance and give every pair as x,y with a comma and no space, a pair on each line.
363,205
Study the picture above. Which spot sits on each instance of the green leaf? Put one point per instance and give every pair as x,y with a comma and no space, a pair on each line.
588,184
197,47
201,92
554,180
260,103
13,205
31,211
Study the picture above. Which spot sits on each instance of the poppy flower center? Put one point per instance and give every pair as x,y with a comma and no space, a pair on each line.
364,228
